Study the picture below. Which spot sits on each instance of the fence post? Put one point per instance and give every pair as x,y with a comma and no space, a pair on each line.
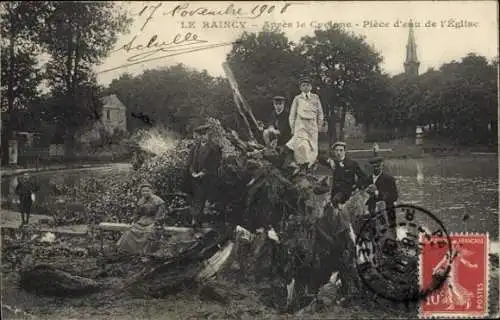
375,149
419,136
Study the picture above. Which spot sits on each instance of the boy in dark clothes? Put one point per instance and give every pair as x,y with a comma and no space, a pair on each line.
24,190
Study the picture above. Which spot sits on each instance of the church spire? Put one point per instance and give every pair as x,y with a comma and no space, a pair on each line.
411,63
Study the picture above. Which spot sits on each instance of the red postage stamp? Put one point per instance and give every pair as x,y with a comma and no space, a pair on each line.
464,293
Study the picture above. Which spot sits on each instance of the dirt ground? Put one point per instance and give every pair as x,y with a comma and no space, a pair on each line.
244,302
185,305
244,299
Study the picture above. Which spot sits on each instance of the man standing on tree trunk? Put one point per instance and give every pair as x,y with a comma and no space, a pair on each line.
306,117
278,132
203,166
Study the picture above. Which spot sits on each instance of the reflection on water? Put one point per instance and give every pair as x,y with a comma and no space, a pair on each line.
53,183
450,187
420,173
11,185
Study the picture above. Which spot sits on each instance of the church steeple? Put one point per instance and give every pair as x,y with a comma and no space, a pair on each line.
411,63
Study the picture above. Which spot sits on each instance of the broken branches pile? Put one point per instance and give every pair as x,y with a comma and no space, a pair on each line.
251,190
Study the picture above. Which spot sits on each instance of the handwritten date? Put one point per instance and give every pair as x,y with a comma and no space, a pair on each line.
189,10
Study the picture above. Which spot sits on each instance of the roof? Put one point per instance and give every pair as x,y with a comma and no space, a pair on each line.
113,102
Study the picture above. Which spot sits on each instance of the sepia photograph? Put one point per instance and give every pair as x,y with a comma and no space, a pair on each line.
249,160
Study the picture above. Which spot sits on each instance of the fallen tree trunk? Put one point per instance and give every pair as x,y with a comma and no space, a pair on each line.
158,275
164,276
47,280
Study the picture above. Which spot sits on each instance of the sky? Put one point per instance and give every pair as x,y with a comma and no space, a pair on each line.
447,30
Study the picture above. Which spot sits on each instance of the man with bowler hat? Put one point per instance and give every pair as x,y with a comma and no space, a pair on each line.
306,117
385,190
204,163
278,132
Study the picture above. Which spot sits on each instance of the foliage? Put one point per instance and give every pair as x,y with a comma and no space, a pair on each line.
77,36
347,70
176,98
458,102
114,199
21,25
20,75
265,65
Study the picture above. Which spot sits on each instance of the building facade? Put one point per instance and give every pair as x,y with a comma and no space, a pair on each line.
114,114
113,117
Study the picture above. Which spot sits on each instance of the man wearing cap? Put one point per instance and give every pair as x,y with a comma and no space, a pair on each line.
204,163
306,117
278,131
347,174
385,190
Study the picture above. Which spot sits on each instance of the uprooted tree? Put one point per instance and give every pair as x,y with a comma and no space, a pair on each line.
252,190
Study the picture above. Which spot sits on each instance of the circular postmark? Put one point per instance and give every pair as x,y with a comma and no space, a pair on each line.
389,252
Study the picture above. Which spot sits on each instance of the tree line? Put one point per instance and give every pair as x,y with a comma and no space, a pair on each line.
72,36
457,103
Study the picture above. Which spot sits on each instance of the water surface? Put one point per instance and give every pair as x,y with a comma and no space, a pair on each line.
450,187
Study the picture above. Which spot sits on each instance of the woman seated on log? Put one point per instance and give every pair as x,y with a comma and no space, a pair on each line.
151,211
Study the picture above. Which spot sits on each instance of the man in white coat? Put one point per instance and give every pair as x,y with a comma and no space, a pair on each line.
306,117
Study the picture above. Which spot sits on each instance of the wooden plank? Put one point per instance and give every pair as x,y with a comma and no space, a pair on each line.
369,150
113,226
75,230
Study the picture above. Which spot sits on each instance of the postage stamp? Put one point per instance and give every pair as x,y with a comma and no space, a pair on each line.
390,252
465,290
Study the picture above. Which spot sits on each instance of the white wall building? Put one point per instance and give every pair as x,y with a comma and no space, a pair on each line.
114,114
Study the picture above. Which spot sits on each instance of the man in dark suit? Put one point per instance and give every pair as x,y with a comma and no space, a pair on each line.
385,190
204,163
347,174
278,131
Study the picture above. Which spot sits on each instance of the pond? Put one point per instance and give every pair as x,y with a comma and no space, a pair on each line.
51,182
453,188
449,187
